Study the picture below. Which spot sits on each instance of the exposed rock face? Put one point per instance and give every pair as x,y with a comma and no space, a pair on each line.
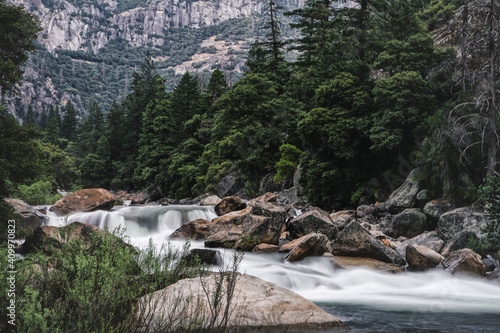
352,262
86,200
421,258
229,204
231,185
27,217
466,262
406,195
428,239
310,245
312,221
459,220
459,241
210,201
409,223
196,229
356,241
258,306
435,208
269,185
51,239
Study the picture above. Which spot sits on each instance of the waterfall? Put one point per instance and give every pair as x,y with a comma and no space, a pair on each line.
315,278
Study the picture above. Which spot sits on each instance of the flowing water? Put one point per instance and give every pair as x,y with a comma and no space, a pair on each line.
366,300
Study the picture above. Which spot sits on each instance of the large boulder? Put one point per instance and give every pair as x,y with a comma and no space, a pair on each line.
27,217
428,239
266,197
409,223
495,275
422,258
257,306
231,185
211,200
49,239
406,195
459,220
342,262
309,245
457,242
268,184
365,210
249,227
356,241
435,208
196,229
465,262
312,221
204,256
86,200
342,218
229,204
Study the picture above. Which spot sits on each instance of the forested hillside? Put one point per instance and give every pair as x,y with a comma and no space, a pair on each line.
378,88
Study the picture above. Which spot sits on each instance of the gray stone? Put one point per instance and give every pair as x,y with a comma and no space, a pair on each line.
435,208
406,195
310,222
465,262
211,200
231,185
27,217
459,220
309,245
429,239
459,241
229,204
409,223
356,241
267,184
365,210
257,306
422,258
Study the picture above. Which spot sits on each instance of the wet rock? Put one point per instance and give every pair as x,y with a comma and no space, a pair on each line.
342,262
466,262
495,275
429,239
459,241
211,200
459,220
27,217
490,263
265,248
224,238
196,229
86,200
409,223
422,258
261,306
229,204
312,221
435,208
356,241
406,195
310,245
205,256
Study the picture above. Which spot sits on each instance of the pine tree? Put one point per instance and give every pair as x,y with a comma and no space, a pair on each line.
217,85
69,123
52,134
30,117
185,102
44,119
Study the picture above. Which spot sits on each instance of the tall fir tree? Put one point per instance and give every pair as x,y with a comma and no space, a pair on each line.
69,123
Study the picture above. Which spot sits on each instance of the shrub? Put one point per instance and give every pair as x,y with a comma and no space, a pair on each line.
38,193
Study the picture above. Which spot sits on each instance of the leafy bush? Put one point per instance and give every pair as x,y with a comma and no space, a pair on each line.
491,199
39,193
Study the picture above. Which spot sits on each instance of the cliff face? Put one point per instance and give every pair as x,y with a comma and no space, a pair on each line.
85,26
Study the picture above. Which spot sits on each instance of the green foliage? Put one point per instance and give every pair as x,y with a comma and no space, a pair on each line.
289,160
39,193
491,198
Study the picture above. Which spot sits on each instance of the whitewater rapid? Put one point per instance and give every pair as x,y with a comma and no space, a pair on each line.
314,278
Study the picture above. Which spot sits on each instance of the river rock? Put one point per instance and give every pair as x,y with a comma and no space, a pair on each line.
342,262
231,185
409,223
257,306
435,208
342,218
429,239
267,184
309,245
27,217
406,195
495,275
459,220
365,210
459,241
86,200
196,229
422,258
464,261
266,197
51,239
312,221
224,238
211,200
205,256
229,204
356,241
265,248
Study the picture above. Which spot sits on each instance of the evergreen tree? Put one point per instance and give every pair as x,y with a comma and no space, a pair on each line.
115,131
44,119
52,134
30,117
217,85
69,123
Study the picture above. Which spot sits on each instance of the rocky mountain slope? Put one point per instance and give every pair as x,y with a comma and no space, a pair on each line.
103,41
